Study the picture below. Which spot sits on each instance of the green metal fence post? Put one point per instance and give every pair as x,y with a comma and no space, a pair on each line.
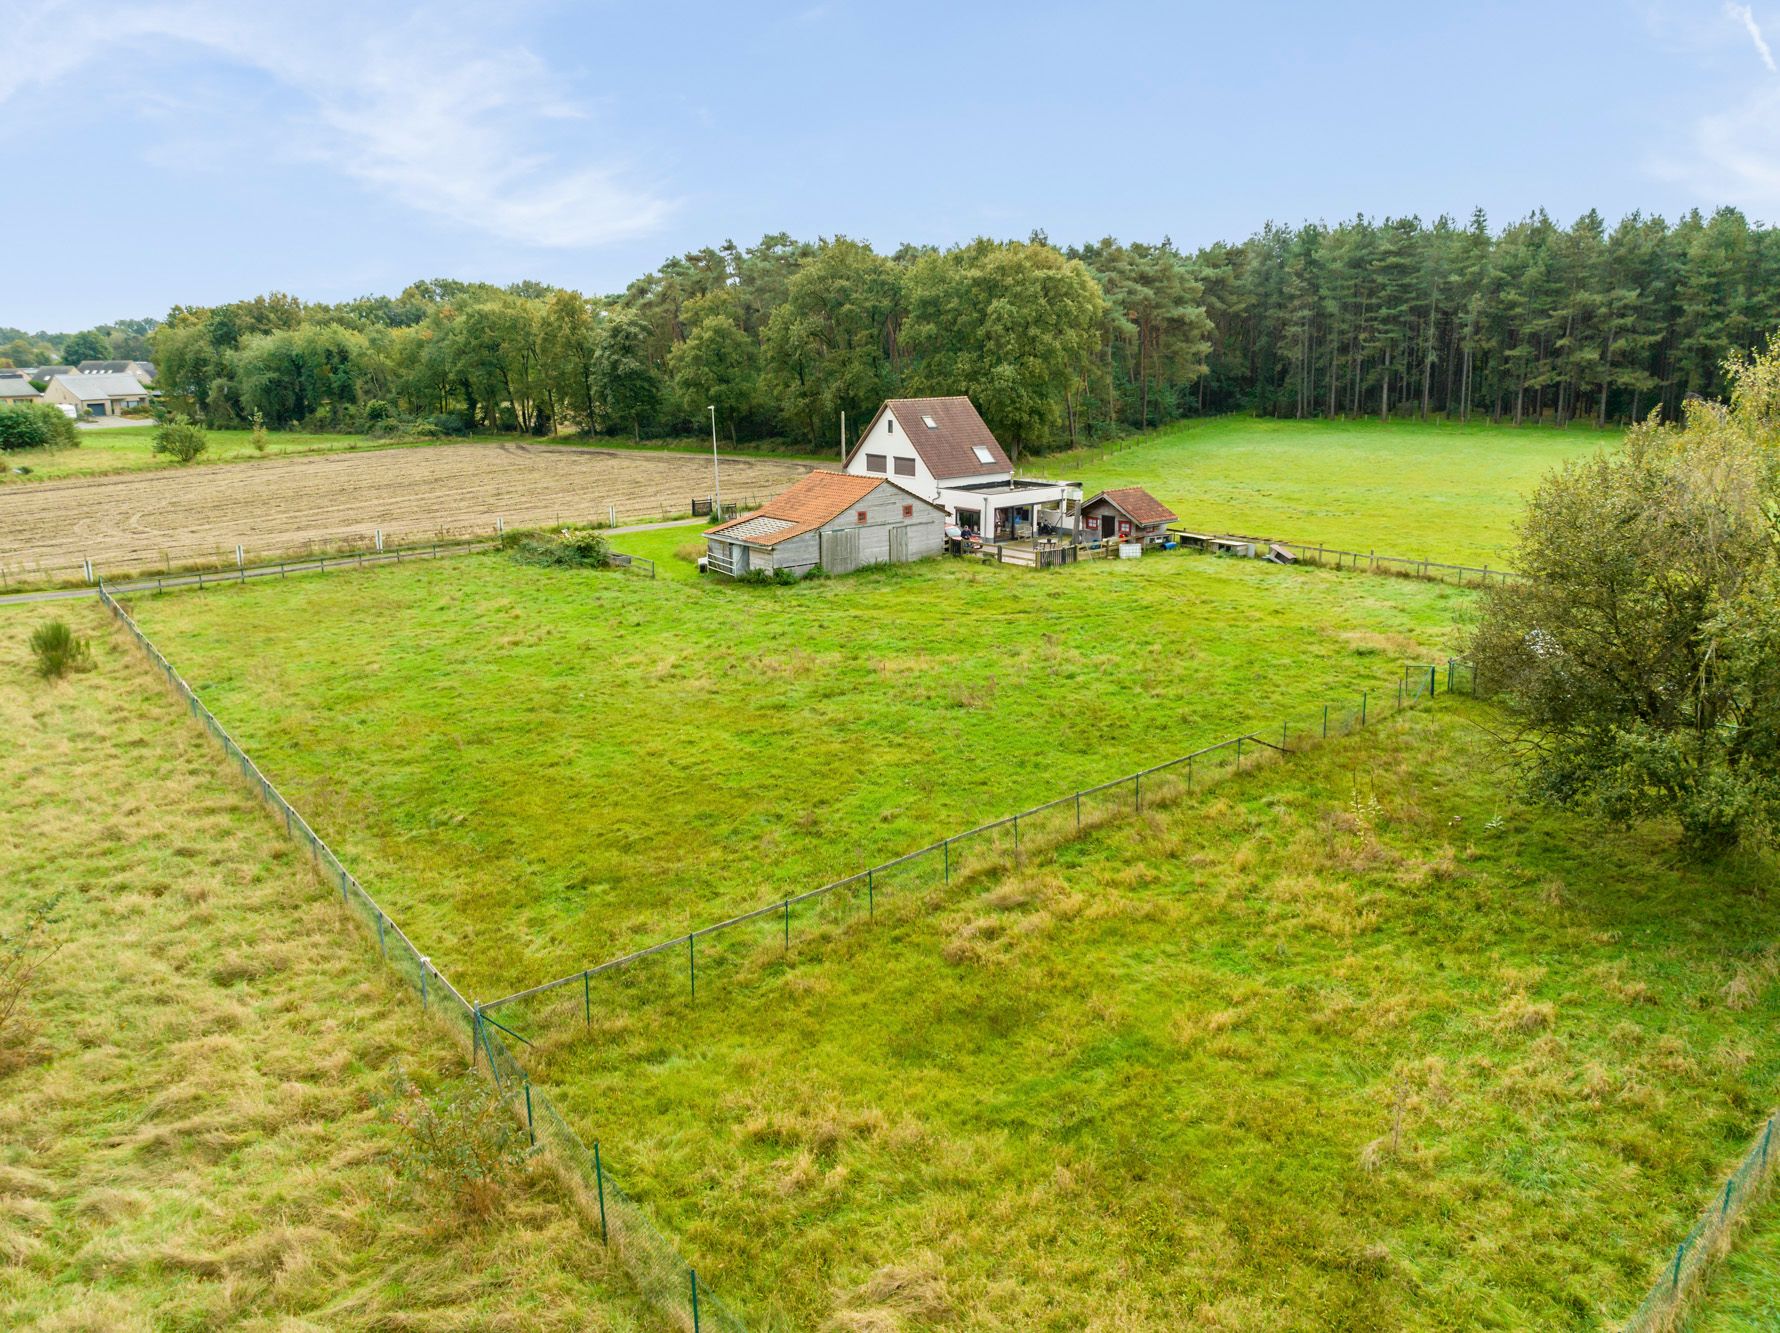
342,883
947,845
1766,1134
587,997
1725,1207
694,1276
1325,721
788,927
1363,708
1433,680
530,1129
1137,793
1189,773
1239,754
1078,812
1016,840
1282,736
382,944
599,1184
691,967
1675,1276
424,964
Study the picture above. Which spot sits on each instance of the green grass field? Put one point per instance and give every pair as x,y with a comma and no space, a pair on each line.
539,770
1436,491
188,1096
1354,1042
1743,1294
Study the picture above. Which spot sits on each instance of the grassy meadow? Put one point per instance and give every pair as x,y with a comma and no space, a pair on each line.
189,1128
1438,490
536,770
1743,1294
1356,1042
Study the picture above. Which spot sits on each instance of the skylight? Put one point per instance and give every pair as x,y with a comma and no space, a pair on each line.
983,454
931,423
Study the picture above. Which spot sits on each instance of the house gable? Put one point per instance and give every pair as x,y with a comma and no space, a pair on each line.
945,439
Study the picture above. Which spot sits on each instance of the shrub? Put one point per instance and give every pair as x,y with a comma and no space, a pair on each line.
422,430
458,1141
23,952
572,548
377,412
449,423
259,431
59,650
180,440
36,426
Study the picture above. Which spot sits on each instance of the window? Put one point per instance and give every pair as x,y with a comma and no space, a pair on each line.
983,454
859,517
889,425
905,467
931,423
908,511
874,462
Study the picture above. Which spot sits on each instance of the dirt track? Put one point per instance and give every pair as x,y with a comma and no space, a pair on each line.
277,506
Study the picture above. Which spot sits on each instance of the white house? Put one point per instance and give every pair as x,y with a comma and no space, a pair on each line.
100,394
832,519
942,450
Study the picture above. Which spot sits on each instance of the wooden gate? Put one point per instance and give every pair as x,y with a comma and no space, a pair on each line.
899,544
840,551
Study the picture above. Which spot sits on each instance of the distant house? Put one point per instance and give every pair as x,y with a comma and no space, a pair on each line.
1128,514
942,450
44,374
830,519
102,395
142,370
17,389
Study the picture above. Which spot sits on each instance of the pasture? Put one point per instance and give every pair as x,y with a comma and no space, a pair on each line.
280,506
1442,490
189,1093
535,771
1352,1042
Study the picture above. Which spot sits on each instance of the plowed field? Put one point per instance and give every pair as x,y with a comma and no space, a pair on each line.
279,506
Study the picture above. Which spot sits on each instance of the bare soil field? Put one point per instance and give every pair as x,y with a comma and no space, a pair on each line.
124,524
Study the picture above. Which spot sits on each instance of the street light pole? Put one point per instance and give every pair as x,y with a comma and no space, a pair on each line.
716,486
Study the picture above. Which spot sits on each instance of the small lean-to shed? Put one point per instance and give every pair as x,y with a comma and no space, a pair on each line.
832,519
1128,514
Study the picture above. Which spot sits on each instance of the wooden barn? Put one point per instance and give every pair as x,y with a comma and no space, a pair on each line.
1128,514
832,519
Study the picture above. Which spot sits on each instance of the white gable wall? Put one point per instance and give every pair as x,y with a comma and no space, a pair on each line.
888,438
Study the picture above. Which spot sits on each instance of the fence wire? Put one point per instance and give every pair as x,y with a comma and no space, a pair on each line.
652,1261
1708,1238
675,970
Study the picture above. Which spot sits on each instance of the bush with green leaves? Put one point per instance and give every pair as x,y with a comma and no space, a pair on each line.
458,1140
1642,645
571,548
59,650
36,426
259,431
180,440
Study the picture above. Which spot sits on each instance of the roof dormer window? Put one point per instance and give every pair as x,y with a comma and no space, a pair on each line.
931,423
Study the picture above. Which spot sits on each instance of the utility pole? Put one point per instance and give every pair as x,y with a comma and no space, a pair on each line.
843,437
716,485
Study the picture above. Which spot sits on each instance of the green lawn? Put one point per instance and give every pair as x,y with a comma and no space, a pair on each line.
1430,491
539,769
1356,1042
190,1135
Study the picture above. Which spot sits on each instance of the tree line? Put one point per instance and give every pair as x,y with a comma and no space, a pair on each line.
1056,346
124,340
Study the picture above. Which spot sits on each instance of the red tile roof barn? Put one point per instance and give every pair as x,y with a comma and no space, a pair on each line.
948,447
1138,505
818,498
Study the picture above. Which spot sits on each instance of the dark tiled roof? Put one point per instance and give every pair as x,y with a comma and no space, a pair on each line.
948,447
1137,504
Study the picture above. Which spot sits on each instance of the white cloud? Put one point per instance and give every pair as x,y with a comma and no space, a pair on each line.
431,108
1745,15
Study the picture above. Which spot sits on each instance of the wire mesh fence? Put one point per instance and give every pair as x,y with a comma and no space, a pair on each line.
672,971
1709,1237
650,1258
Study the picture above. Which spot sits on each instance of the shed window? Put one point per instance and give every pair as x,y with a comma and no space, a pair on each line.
905,467
983,454
874,462
908,511
859,517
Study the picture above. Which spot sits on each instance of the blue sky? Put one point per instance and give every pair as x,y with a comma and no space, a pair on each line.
194,151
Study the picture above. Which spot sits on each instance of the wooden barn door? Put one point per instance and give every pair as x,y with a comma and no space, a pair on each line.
840,551
899,544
